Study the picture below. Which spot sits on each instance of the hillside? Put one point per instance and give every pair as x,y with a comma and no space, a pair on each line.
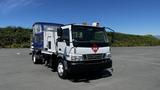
121,39
15,37
18,37
157,36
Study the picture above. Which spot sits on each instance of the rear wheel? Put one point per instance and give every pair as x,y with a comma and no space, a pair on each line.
62,73
34,59
37,58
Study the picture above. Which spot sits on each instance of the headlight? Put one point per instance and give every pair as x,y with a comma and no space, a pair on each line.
107,55
76,58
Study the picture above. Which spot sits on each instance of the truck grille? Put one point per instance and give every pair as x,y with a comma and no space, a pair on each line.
88,57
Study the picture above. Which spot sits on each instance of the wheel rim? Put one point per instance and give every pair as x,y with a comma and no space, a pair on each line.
34,58
60,69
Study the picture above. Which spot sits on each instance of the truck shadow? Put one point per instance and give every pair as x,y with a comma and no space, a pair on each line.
87,77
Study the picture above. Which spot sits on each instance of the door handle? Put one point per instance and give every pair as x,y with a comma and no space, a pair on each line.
59,49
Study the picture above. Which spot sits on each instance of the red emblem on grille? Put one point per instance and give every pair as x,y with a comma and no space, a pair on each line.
95,48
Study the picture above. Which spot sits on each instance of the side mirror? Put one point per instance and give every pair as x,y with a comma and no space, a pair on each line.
59,32
112,37
112,34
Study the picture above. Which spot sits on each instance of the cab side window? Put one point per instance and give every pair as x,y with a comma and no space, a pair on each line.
65,36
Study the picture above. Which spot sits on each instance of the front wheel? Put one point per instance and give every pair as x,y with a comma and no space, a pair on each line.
62,73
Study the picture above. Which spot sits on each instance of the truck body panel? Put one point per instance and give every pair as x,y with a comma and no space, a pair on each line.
44,36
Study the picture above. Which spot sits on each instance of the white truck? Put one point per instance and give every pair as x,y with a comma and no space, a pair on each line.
71,48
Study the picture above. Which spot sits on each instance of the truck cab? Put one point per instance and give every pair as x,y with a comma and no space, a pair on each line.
83,48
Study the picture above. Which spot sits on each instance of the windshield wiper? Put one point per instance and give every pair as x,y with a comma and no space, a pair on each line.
90,41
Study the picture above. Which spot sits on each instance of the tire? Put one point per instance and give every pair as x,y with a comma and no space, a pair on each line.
62,73
34,59
45,63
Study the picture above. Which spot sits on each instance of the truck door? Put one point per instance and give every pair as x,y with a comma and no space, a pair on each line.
64,45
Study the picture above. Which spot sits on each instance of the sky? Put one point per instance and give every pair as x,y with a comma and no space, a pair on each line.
126,16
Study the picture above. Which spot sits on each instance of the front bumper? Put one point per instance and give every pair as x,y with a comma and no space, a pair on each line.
83,66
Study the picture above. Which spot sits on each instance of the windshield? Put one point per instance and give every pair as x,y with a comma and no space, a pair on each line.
85,36
89,34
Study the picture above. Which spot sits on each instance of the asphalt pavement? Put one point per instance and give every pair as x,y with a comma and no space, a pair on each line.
135,68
